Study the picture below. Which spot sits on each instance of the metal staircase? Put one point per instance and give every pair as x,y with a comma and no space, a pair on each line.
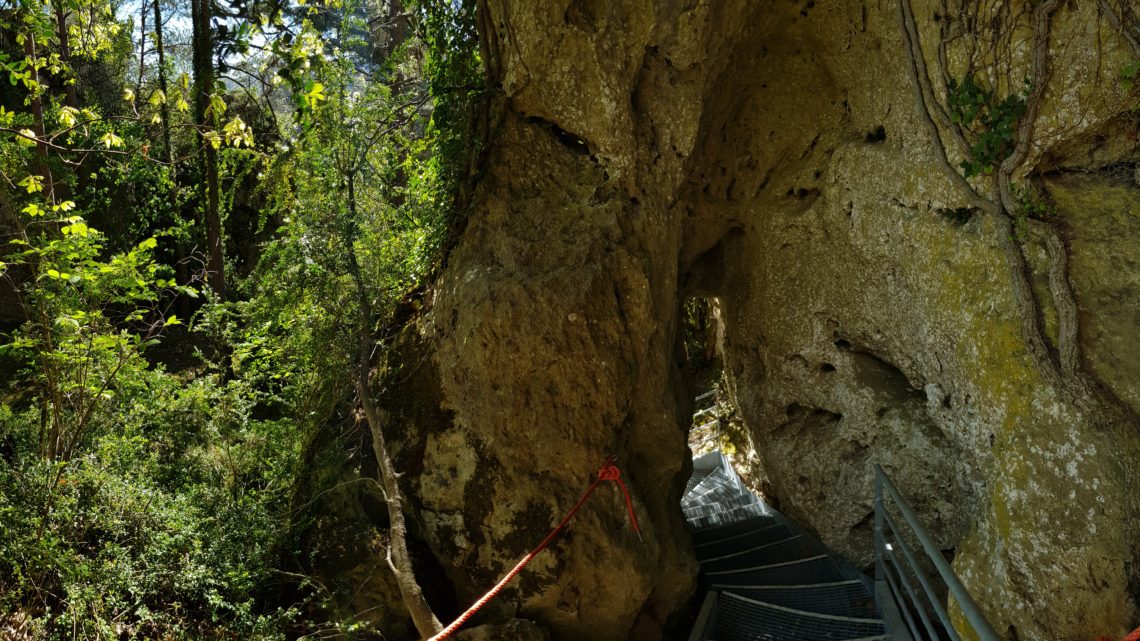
767,579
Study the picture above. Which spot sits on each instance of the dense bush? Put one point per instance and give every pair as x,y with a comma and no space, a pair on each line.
164,527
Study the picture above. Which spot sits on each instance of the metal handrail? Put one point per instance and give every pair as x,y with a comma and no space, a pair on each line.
970,609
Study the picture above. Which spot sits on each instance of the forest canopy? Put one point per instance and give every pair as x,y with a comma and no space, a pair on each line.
209,211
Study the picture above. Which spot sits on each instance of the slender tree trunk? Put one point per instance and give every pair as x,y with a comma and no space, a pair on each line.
69,77
427,624
181,271
65,55
40,165
203,87
164,109
142,49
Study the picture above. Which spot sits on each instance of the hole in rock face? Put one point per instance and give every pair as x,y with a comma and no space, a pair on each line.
701,338
879,134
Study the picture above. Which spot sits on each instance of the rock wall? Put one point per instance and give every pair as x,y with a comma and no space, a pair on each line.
794,160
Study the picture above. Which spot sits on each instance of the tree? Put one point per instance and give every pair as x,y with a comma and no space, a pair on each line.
207,106
359,138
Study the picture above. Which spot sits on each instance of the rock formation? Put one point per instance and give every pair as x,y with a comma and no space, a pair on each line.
800,161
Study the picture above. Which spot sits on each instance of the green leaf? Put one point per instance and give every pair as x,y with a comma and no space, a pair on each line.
110,140
217,106
26,138
32,183
68,117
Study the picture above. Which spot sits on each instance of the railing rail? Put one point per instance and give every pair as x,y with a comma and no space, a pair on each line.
889,568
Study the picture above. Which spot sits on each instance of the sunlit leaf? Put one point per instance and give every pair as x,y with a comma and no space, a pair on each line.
110,140
68,117
26,137
32,183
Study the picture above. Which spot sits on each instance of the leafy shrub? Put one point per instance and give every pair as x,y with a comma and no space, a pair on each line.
163,527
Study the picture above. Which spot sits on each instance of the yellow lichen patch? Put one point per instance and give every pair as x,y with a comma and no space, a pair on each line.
1102,213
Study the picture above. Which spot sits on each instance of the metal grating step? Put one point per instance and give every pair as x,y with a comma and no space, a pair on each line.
740,618
717,505
812,569
735,542
715,481
740,547
845,598
698,476
731,517
710,533
790,549
767,578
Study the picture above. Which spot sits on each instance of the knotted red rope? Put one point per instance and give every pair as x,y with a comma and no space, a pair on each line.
609,472
1132,636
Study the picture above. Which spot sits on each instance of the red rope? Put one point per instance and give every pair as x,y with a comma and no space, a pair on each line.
609,472
1132,636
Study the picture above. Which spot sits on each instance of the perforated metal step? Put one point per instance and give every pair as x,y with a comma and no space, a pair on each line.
766,577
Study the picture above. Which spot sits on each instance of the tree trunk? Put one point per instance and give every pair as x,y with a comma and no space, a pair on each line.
427,624
203,87
164,109
65,55
40,165
142,49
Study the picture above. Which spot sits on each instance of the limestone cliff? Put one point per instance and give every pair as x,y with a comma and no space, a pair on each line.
801,162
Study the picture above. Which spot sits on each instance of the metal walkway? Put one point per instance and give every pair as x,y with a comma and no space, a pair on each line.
766,579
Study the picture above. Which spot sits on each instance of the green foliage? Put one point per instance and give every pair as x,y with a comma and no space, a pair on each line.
163,528
992,122
1029,206
1128,75
89,316
455,72
134,503
141,503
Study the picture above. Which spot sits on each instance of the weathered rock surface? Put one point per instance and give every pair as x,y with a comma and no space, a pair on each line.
514,630
773,154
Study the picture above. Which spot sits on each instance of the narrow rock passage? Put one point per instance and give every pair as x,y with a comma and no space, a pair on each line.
763,576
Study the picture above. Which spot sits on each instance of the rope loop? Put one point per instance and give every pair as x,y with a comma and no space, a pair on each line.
609,471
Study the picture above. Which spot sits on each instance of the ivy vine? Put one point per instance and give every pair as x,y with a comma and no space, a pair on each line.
992,122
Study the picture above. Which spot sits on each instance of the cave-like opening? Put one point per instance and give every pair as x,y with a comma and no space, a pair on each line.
716,423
